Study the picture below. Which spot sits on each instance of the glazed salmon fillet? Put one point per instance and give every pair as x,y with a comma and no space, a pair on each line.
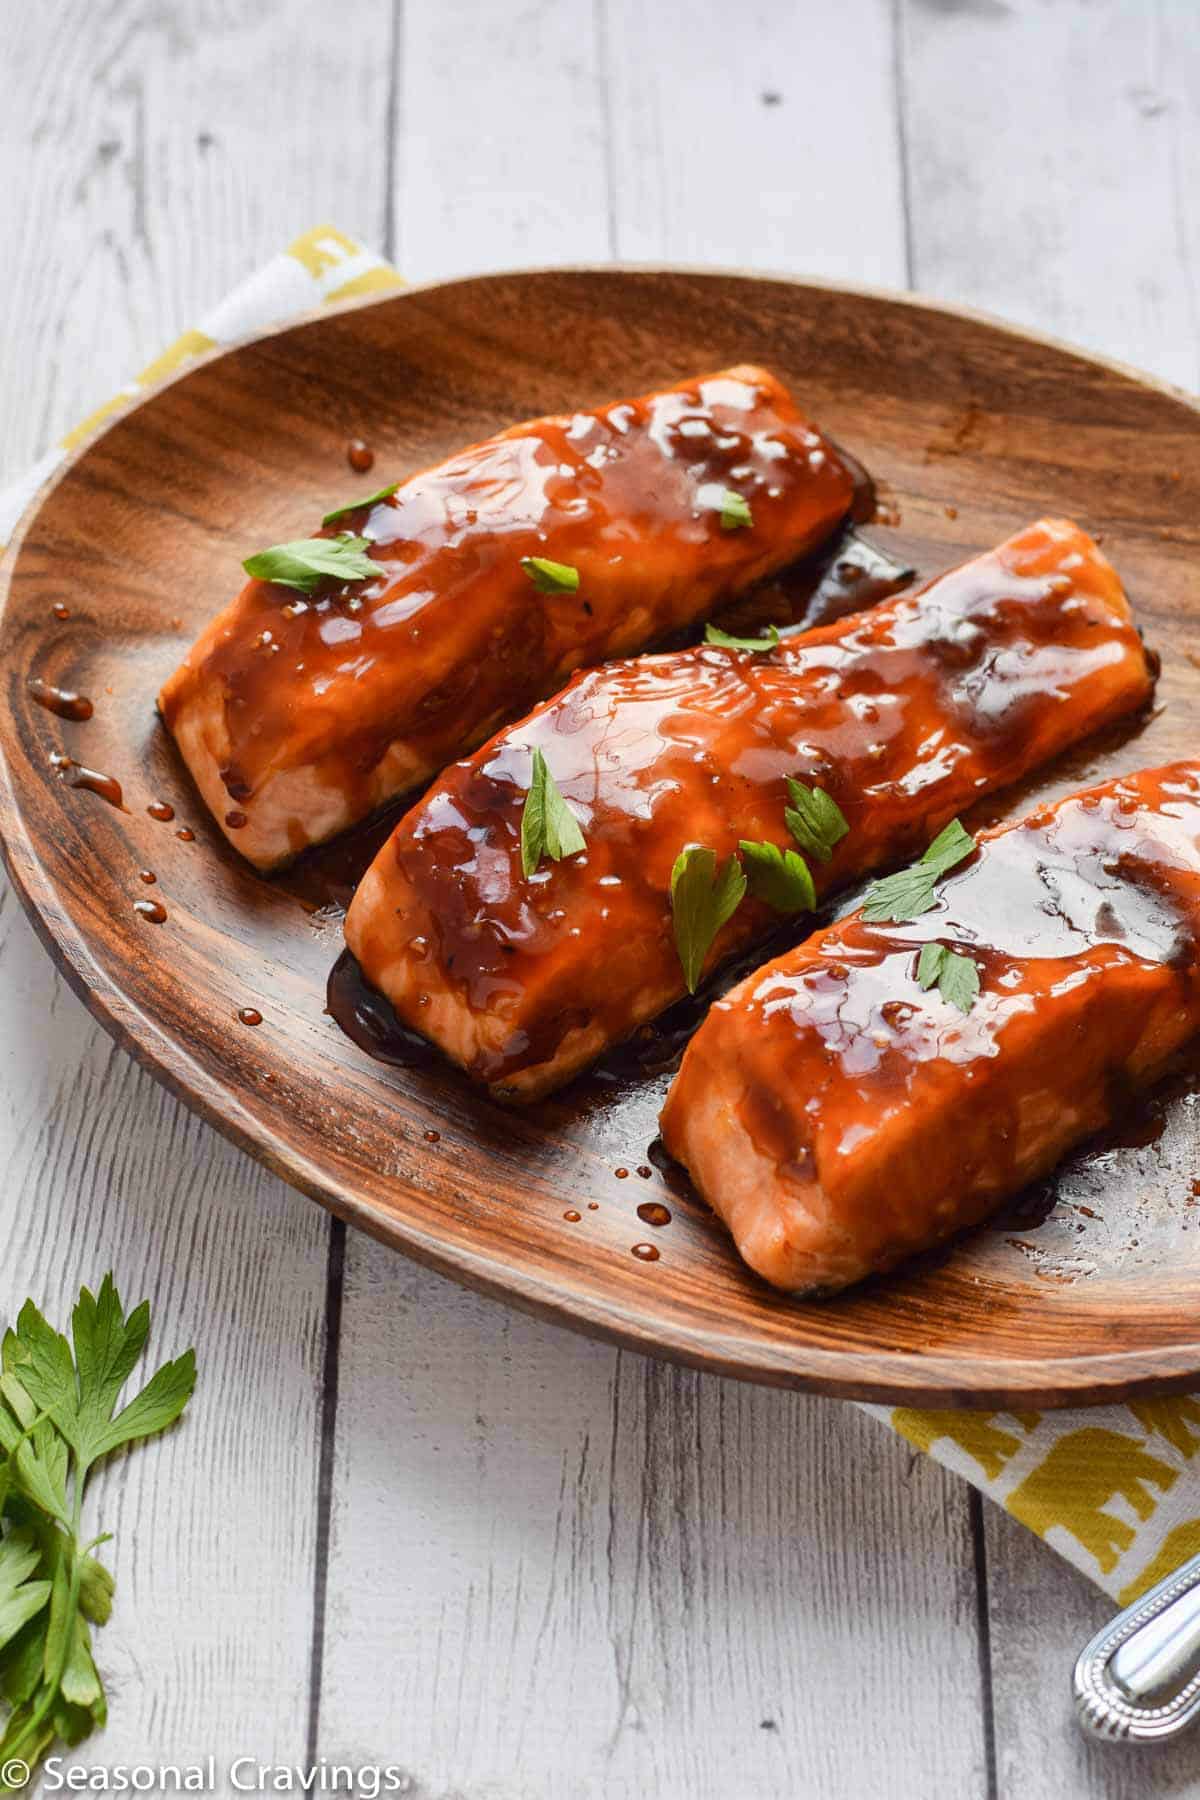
839,1117
299,714
903,714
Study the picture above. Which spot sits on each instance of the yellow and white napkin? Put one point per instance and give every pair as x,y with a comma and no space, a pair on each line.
1111,1488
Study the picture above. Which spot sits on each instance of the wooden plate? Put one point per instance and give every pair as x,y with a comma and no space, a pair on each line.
972,430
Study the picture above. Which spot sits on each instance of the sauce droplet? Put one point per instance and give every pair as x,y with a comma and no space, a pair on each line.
107,786
433,1137
621,1174
249,1015
148,876
60,611
645,1171
63,701
653,1212
593,1206
152,910
360,456
571,1216
645,1252
235,820
189,837
159,809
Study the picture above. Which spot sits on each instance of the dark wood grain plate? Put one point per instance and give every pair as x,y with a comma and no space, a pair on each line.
972,430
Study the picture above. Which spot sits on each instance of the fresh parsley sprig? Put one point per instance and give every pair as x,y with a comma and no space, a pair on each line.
911,892
343,512
307,562
58,1419
955,976
550,577
548,826
735,511
780,877
723,641
815,819
701,902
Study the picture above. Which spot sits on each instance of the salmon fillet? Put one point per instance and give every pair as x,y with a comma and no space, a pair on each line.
904,714
840,1118
300,714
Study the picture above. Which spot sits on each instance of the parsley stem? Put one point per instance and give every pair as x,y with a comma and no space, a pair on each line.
51,1687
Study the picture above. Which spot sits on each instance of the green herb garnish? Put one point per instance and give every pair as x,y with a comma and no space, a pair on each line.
550,577
735,511
548,826
910,892
701,902
308,562
56,1424
955,977
342,512
815,820
780,877
714,635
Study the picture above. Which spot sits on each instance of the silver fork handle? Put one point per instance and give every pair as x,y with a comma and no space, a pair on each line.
1138,1681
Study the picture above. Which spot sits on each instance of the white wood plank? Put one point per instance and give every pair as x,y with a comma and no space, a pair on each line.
1052,165
556,1571
502,157
559,1571
153,155
1053,157
763,135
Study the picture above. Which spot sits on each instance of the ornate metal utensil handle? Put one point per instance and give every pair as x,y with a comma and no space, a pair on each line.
1138,1681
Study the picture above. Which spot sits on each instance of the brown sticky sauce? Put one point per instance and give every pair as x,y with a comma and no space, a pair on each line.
369,1020
186,835
60,610
360,456
235,820
161,810
93,781
151,910
249,1015
571,1216
653,1212
645,1252
64,702
148,876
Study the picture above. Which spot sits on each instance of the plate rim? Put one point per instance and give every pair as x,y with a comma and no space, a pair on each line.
864,1374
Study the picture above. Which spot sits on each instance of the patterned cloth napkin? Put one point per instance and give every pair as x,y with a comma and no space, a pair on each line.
1110,1488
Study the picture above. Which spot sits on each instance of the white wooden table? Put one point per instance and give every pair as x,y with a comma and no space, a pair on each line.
403,1524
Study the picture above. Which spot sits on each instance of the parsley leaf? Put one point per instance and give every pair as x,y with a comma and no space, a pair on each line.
714,635
910,892
342,512
307,562
550,577
548,826
815,820
780,877
57,1420
955,976
20,1598
735,511
701,902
